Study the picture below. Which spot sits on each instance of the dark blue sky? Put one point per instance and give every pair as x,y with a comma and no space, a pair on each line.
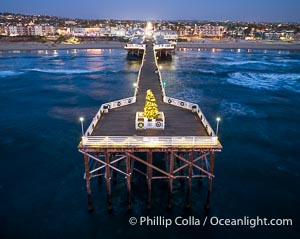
243,10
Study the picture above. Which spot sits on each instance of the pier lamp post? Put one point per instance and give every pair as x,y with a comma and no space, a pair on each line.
218,120
81,121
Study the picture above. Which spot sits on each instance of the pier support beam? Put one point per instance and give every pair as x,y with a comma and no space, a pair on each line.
212,165
170,179
128,180
108,183
88,183
190,174
149,178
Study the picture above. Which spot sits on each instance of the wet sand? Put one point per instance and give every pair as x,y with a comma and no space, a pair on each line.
29,46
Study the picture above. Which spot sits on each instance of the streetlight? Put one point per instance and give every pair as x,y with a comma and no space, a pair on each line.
81,120
134,84
218,120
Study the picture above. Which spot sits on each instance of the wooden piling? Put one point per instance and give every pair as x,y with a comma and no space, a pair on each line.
99,172
190,174
108,178
88,183
113,157
171,168
212,165
149,178
201,173
128,180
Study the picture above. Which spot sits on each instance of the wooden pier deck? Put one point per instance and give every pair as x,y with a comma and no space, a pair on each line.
121,121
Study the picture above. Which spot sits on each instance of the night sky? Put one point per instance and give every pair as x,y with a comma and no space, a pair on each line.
243,10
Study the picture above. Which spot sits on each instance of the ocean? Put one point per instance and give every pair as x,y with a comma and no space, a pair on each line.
43,94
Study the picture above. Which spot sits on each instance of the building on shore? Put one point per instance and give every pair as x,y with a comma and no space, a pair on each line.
208,30
169,35
30,30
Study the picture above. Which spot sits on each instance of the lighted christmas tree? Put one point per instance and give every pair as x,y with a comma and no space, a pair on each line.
150,109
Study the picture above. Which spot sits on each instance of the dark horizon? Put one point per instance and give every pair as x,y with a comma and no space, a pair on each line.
215,10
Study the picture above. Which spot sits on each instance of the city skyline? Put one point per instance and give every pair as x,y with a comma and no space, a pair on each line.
232,10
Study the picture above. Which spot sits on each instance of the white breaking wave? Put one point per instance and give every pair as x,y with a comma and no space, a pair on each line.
207,71
266,81
10,73
67,72
239,63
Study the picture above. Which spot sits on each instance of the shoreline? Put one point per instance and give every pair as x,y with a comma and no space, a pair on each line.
35,46
205,44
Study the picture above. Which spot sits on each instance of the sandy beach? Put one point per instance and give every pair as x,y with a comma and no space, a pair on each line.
204,44
242,44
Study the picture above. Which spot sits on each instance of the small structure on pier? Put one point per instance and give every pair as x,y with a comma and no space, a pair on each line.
151,118
163,48
135,47
187,145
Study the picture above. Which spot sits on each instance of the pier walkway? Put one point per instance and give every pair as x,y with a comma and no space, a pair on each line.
121,121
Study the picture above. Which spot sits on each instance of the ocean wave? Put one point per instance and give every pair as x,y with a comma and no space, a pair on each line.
233,109
80,71
266,81
288,61
188,94
10,73
240,63
63,71
207,71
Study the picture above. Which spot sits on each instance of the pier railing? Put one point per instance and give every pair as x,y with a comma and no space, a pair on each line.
139,75
104,108
149,142
194,108
135,46
163,46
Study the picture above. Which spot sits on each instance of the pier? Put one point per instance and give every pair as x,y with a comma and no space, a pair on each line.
112,145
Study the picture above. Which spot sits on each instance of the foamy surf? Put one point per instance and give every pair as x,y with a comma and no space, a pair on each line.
207,71
266,81
63,71
10,73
